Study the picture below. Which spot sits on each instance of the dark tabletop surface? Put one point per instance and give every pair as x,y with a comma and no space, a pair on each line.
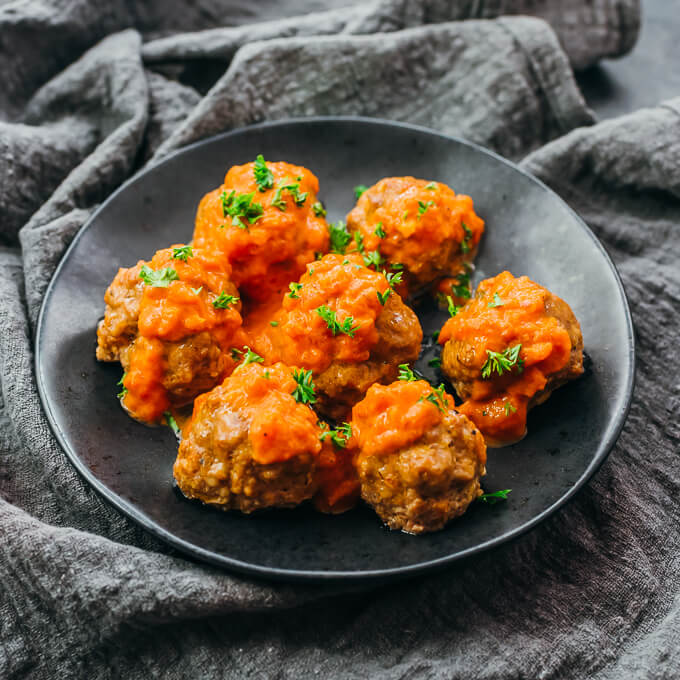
648,75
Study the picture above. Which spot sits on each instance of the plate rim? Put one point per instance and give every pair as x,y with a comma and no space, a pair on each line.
190,549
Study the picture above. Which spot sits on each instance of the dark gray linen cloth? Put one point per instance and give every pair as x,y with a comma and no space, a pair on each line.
592,592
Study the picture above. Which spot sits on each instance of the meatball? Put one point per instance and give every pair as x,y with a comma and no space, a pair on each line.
508,349
171,323
343,322
421,226
266,221
419,461
250,444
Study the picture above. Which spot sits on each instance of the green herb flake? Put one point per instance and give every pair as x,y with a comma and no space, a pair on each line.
396,266
274,323
373,259
359,189
124,390
197,291
394,279
158,279
509,408
497,302
422,207
304,391
461,288
330,317
224,301
435,336
379,231
359,238
465,243
249,357
339,237
432,186
182,253
435,363
340,436
453,309
382,297
405,373
495,497
294,289
263,175
293,188
502,362
240,207
318,209
172,423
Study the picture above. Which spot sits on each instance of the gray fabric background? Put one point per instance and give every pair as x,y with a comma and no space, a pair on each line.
93,91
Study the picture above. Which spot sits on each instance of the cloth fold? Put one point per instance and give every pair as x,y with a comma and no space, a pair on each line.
593,591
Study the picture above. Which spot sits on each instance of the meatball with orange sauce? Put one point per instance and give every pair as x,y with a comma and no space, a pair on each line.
423,227
171,323
267,223
249,444
506,350
343,322
419,460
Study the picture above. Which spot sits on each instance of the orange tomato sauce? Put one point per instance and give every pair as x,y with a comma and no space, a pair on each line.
349,293
274,249
391,417
517,315
336,475
182,308
279,426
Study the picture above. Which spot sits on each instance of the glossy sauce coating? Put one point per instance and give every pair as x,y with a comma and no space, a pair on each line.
505,313
336,475
274,249
393,416
427,227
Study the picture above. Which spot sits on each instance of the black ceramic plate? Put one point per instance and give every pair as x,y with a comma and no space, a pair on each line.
529,230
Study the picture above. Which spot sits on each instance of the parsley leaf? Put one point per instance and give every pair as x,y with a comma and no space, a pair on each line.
359,238
359,190
249,357
461,288
405,373
304,392
379,231
382,297
222,301
497,302
509,408
502,361
182,253
435,363
373,259
263,175
340,237
294,289
318,209
394,279
273,323
340,436
465,243
397,266
330,317
158,279
495,497
197,291
172,423
124,390
239,206
431,186
422,207
453,309
438,398
293,188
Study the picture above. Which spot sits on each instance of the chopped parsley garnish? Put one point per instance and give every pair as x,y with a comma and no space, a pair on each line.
495,497
359,190
182,253
405,373
223,301
158,279
379,231
330,317
394,279
124,390
304,392
373,259
438,398
236,353
249,357
501,362
238,206
294,289
293,188
339,236
422,207
465,243
172,423
509,408
197,291
318,209
435,363
359,238
397,266
263,175
461,288
266,375
405,215
431,186
435,336
382,297
497,302
273,323
339,436
453,309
